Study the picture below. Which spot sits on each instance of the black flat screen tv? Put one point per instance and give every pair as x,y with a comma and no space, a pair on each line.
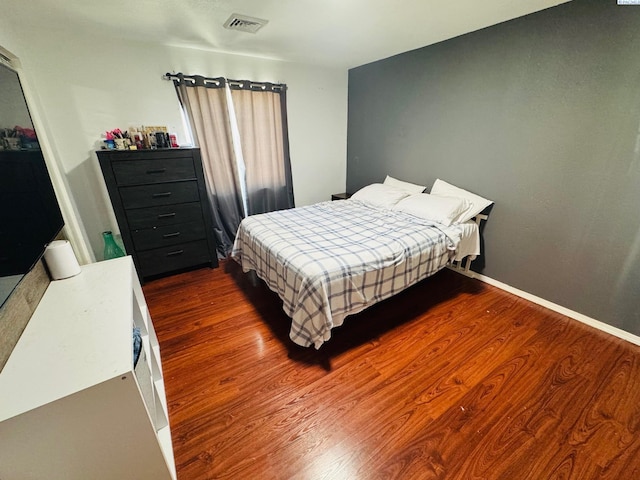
30,216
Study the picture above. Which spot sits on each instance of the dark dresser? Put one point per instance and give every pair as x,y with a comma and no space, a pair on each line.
160,201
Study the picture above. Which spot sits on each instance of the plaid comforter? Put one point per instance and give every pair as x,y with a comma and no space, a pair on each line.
333,259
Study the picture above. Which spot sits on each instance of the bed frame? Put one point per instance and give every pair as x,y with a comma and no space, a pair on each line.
309,304
464,266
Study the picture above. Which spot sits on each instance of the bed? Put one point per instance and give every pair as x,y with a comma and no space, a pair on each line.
336,258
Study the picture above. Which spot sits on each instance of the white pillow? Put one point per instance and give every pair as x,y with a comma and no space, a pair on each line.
444,210
409,187
476,203
379,195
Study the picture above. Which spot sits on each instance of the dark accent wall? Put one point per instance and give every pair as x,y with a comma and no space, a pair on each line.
540,114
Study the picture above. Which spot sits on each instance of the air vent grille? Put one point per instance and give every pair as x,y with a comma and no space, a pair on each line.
244,23
4,60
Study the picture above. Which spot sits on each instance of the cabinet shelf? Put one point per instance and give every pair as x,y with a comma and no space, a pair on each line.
160,200
71,376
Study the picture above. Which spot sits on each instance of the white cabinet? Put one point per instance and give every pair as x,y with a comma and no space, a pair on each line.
72,406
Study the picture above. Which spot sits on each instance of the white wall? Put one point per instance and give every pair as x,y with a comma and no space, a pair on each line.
85,85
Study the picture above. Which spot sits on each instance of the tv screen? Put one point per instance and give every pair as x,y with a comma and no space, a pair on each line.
29,213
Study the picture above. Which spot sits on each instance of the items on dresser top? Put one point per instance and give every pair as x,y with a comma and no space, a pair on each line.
160,201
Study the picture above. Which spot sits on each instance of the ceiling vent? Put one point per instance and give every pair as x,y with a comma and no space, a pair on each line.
244,23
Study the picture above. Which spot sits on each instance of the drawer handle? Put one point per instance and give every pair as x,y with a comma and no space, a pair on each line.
175,252
158,170
169,235
161,194
166,215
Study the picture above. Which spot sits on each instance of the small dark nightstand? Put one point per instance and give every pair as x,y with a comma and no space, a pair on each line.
340,196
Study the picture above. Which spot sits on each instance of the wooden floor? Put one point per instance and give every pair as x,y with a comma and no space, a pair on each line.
451,379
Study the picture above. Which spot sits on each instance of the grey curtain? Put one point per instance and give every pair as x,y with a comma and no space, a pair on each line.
243,137
205,105
260,111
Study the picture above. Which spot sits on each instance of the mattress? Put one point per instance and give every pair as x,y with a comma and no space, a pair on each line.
333,259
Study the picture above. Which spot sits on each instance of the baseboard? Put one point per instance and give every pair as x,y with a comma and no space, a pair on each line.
592,322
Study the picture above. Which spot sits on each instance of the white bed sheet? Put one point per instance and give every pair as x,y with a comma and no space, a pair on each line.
469,240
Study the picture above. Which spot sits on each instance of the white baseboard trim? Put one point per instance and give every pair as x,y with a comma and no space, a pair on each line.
592,322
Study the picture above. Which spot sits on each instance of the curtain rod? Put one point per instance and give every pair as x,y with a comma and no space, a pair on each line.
219,82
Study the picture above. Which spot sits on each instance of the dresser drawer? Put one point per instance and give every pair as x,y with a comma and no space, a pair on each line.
161,260
148,238
160,194
164,215
137,172
160,200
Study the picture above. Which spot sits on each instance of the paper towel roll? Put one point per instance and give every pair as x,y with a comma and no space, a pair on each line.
61,260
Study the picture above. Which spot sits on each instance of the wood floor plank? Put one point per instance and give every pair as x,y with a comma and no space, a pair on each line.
451,379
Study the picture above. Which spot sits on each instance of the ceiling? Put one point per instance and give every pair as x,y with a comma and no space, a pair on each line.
332,33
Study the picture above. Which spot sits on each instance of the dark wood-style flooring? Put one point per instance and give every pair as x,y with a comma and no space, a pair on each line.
452,379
